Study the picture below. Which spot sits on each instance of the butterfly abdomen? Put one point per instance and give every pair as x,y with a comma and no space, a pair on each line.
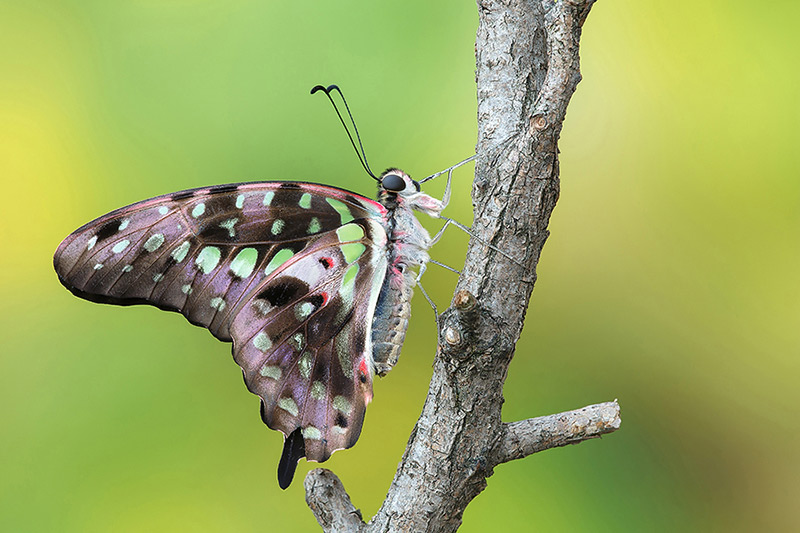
390,322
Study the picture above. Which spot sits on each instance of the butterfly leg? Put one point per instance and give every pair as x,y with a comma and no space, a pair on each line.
468,231
446,267
433,305
447,187
446,195
439,205
435,312
439,233
422,269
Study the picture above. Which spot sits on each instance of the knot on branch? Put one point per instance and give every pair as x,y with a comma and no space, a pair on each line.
538,123
467,329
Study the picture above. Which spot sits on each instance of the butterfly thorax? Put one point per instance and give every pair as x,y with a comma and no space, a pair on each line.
407,247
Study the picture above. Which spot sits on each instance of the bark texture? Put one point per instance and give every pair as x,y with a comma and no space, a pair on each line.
527,70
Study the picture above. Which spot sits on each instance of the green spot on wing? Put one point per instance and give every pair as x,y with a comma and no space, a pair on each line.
198,210
244,263
296,341
343,351
350,275
304,364
277,260
352,251
341,208
217,303
312,433
120,246
208,258
228,225
271,371
288,405
303,310
154,242
305,201
350,232
179,253
277,226
342,404
317,390
262,342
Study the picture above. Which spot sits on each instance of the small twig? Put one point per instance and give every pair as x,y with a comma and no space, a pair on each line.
329,502
533,435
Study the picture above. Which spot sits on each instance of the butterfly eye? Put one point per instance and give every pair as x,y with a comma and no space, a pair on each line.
393,183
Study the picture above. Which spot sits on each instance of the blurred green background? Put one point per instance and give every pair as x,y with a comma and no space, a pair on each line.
670,280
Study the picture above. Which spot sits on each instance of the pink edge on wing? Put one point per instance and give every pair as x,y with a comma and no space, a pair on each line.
324,190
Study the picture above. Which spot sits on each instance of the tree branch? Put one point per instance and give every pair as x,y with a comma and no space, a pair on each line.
330,503
538,434
527,71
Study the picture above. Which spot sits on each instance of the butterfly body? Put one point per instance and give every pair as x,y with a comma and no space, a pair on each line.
408,244
311,283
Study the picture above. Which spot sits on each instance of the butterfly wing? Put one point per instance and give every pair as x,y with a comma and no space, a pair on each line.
302,343
289,272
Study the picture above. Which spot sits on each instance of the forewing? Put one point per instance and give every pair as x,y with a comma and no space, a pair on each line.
201,252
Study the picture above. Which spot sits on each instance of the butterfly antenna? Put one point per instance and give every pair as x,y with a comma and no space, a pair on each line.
362,156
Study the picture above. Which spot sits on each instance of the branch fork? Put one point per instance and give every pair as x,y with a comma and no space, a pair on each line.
330,503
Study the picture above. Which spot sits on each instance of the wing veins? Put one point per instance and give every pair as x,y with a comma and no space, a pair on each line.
138,243
346,321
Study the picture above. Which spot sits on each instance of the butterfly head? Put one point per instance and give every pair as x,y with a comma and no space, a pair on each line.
394,180
397,186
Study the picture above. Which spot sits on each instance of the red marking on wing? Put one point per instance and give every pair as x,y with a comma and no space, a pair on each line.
363,377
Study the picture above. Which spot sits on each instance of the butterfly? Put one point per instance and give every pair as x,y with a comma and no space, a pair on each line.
312,284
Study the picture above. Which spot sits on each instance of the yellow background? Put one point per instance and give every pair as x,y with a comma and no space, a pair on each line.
670,280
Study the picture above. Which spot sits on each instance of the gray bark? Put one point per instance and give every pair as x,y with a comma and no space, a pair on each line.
527,70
